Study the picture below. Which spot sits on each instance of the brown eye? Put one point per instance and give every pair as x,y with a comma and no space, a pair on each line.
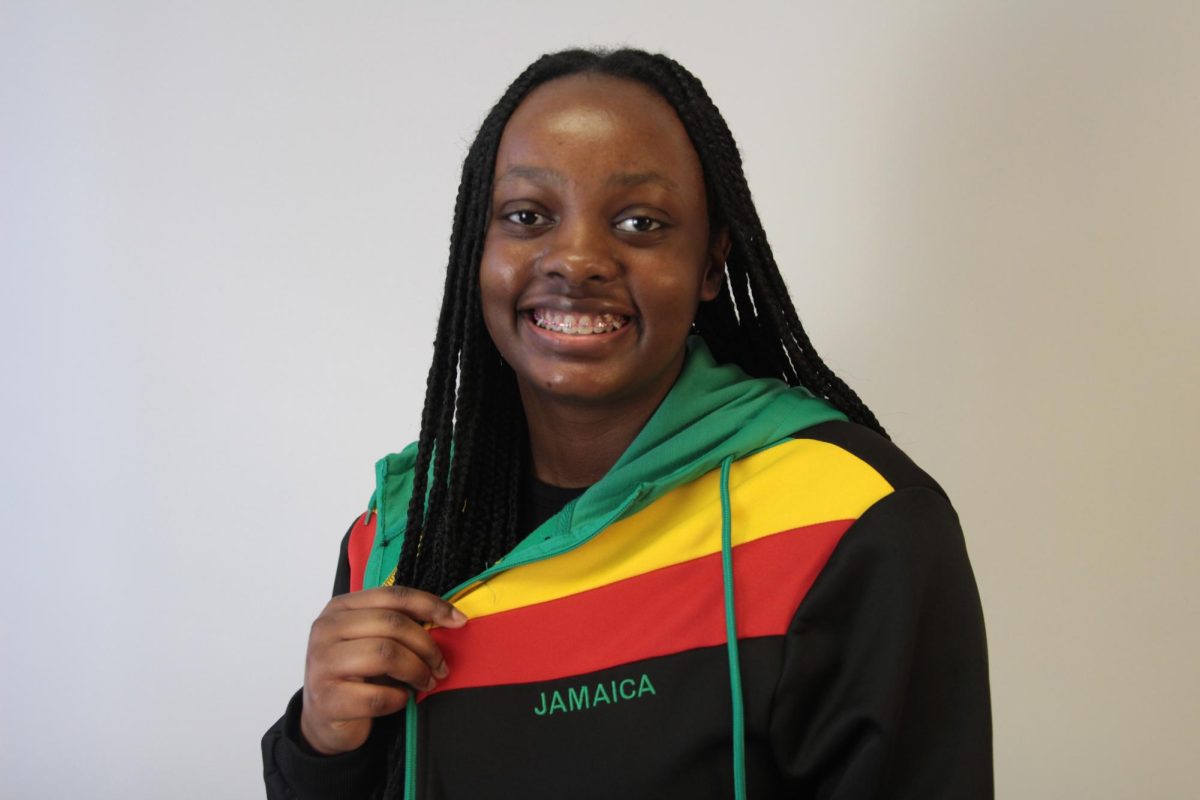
639,224
527,218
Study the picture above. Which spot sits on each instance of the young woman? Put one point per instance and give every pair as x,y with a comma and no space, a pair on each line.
648,544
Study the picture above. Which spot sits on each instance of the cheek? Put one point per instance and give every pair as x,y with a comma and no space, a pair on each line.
500,267
497,296
675,292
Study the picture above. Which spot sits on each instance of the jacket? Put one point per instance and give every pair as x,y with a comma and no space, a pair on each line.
759,599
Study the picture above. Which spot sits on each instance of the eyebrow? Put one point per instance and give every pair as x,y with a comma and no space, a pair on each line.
550,176
532,174
628,179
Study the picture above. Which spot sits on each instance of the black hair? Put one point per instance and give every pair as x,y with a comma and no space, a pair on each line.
468,471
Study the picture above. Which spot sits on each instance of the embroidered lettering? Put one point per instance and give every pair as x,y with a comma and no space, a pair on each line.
577,699
587,696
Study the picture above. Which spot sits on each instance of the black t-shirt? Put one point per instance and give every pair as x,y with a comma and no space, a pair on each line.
539,501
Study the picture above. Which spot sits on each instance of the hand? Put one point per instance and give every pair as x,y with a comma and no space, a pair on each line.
359,642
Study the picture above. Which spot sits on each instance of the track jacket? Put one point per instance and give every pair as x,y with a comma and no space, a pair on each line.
759,599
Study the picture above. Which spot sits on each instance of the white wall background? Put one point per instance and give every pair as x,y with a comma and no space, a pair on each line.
222,230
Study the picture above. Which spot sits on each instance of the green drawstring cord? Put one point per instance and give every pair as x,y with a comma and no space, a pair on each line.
731,646
731,640
410,747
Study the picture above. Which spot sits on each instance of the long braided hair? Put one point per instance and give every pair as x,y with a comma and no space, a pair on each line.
468,471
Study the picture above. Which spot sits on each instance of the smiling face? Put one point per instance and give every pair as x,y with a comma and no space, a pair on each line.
598,250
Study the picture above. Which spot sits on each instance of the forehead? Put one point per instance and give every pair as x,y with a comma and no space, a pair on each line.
590,124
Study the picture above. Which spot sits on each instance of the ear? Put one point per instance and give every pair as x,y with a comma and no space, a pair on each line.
714,273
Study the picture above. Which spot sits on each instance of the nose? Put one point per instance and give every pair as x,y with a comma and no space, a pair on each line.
579,252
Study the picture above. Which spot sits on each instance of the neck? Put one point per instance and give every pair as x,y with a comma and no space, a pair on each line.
573,445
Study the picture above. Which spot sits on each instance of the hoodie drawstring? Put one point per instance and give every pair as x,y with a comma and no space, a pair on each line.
410,747
731,639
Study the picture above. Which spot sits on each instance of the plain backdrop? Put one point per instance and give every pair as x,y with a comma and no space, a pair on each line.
223,228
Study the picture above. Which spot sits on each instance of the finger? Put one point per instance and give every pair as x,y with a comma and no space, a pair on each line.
367,658
417,604
375,623
346,701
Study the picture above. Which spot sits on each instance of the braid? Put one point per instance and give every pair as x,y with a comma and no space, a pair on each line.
468,471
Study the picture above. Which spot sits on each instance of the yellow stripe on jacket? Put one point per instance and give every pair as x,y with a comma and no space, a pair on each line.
797,483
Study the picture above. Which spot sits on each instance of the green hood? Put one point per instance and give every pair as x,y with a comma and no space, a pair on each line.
711,413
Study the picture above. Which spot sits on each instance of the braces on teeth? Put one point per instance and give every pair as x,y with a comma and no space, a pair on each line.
578,324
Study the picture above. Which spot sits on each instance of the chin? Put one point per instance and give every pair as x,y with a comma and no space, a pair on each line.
578,392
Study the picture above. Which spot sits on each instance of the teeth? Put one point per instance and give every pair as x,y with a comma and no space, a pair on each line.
578,324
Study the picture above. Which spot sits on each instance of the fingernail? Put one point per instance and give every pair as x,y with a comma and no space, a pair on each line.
442,671
458,616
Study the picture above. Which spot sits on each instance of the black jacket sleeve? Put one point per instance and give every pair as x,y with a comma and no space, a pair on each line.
884,686
294,771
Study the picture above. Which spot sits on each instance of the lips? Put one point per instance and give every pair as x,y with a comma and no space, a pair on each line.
577,323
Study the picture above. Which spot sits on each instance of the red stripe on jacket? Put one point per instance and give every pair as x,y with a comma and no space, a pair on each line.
664,611
358,549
